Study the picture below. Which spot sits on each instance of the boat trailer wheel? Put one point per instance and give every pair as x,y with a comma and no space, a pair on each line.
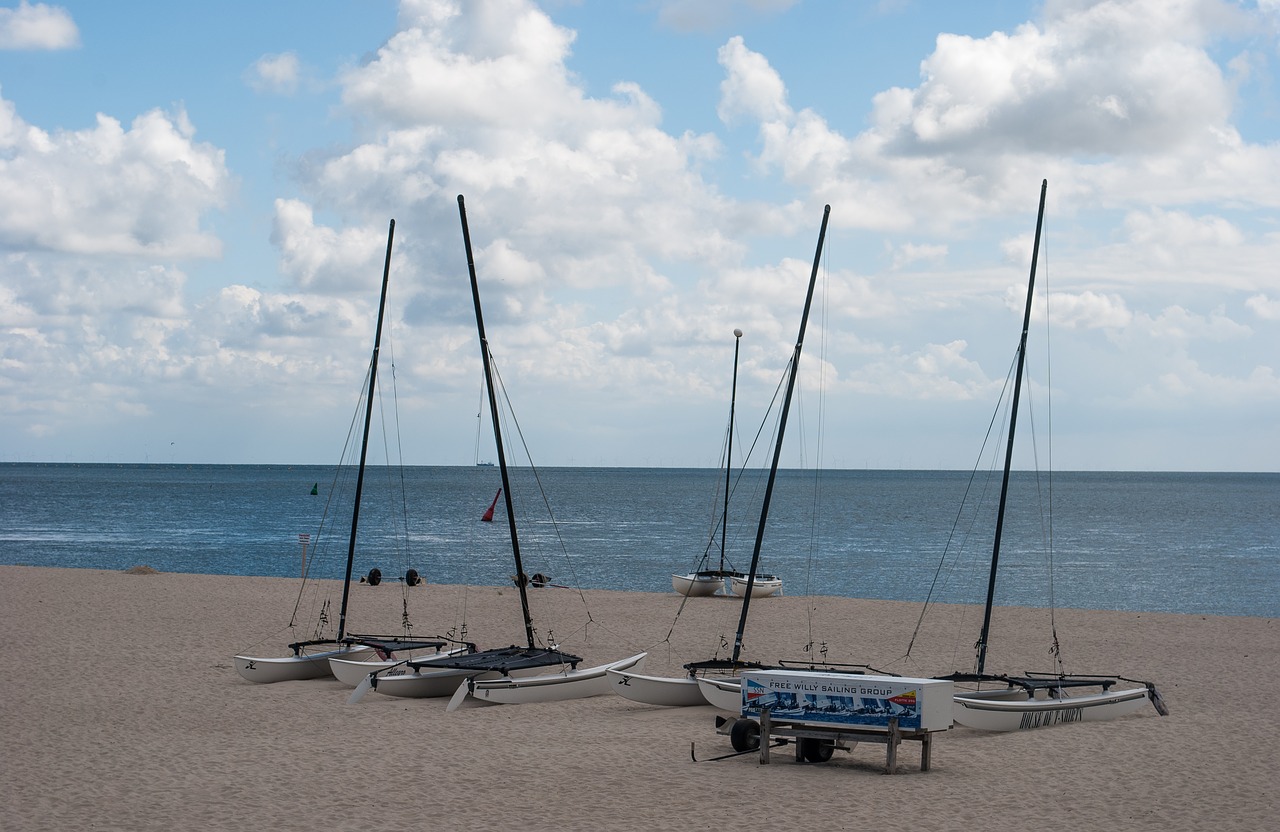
814,750
375,576
745,735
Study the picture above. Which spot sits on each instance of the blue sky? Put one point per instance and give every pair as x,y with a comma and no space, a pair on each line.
197,198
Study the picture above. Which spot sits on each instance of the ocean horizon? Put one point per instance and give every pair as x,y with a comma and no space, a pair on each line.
1183,542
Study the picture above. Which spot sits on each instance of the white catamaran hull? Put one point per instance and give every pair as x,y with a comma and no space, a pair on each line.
425,683
724,693
697,586
987,714
291,668
552,687
763,587
656,690
352,671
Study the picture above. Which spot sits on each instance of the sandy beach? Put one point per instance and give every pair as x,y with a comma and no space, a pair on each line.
123,712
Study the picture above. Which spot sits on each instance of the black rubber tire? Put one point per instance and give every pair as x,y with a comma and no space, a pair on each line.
813,750
411,578
375,576
745,735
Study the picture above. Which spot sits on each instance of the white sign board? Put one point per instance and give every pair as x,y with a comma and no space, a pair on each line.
848,700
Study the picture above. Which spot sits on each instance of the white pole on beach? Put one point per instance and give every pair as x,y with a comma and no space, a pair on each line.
304,539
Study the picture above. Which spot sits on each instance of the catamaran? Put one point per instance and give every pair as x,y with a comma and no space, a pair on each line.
1035,700
507,675
310,658
655,690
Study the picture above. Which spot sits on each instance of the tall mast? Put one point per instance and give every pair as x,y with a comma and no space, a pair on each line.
497,430
364,444
777,448
1008,453
728,454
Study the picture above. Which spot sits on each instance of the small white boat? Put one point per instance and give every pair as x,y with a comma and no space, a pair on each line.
419,683
999,713
724,692
548,687
762,587
351,671
676,691
290,668
697,584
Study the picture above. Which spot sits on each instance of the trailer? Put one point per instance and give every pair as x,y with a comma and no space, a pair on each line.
824,712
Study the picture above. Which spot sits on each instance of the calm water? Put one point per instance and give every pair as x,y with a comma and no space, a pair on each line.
1190,543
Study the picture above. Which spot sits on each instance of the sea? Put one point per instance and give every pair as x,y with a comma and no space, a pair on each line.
1196,543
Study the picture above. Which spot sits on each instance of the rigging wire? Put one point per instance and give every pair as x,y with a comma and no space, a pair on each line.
1055,649
340,474
509,416
402,542
815,516
957,540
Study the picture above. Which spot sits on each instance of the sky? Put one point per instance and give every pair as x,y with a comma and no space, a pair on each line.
197,198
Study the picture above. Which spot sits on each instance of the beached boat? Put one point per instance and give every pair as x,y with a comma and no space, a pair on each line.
706,581
569,683
656,690
1034,700
723,692
763,586
462,675
310,659
698,584
675,690
439,677
307,662
450,675
996,713
351,671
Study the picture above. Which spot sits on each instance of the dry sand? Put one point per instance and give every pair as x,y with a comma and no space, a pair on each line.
122,711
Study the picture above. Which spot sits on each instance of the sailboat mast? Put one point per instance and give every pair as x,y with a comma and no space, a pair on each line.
777,448
1013,421
364,443
728,454
497,430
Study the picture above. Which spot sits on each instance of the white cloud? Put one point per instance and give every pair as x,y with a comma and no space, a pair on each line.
1179,326
1116,102
483,63
933,372
1117,77
318,258
38,26
1266,308
1162,230
108,190
751,87
475,98
1190,385
87,335
279,73
616,256
1086,310
908,253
